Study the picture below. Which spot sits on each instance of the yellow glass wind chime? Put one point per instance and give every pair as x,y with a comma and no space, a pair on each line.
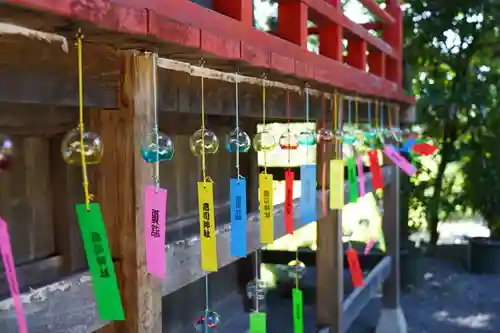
80,147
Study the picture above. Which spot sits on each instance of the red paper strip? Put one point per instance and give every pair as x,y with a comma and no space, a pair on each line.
289,176
355,268
377,178
424,148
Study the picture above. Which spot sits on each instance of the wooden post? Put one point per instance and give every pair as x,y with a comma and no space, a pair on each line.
330,261
392,318
292,22
119,183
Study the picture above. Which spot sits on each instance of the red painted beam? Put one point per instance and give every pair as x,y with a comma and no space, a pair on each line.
394,37
384,17
185,23
367,26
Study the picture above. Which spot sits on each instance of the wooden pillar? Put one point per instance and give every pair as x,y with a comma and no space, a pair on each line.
292,22
119,183
241,10
376,62
330,38
330,261
356,53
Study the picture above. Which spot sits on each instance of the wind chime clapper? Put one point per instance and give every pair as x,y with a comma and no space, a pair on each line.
6,153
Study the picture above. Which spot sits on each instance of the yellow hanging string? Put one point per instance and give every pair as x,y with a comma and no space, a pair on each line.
264,117
203,161
356,117
390,115
376,114
88,196
335,121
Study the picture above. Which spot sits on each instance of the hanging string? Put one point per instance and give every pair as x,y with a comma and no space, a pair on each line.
289,127
203,161
376,115
88,195
356,110
257,280
335,122
204,175
349,113
370,115
382,114
323,156
237,106
264,76
389,116
156,176
307,114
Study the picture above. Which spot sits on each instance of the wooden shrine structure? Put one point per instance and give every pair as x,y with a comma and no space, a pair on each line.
38,104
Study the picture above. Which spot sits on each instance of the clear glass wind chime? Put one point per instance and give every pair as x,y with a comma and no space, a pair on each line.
201,143
6,153
156,147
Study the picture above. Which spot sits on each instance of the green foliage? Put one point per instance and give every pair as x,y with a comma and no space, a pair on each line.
451,47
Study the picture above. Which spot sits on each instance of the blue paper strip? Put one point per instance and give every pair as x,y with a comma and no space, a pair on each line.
238,209
308,193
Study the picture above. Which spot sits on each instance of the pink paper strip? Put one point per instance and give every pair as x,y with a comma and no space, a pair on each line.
400,161
361,176
10,272
155,211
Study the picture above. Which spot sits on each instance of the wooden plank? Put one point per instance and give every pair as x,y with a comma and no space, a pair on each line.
119,181
360,297
195,28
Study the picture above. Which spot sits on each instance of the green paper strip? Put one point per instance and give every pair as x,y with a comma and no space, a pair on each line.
258,322
352,179
102,270
298,320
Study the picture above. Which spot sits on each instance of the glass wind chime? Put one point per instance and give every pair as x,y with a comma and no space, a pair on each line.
6,153
80,147
156,147
205,142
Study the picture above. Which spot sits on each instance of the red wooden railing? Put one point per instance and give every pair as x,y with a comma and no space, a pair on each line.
373,66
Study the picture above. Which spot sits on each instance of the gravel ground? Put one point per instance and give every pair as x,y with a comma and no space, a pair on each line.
453,301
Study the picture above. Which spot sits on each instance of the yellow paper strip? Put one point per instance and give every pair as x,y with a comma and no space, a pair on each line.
336,184
266,208
207,227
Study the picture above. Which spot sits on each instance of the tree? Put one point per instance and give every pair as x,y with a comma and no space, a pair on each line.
450,47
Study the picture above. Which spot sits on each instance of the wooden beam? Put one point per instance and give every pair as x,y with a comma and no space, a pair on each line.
119,181
186,31
45,74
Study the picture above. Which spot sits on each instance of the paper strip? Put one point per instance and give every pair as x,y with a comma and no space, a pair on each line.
355,268
400,161
207,226
258,322
102,269
361,176
155,210
10,273
298,320
352,180
238,210
377,178
337,184
289,177
308,193
266,208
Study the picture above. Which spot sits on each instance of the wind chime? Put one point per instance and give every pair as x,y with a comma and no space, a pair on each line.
156,147
205,142
6,159
83,148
